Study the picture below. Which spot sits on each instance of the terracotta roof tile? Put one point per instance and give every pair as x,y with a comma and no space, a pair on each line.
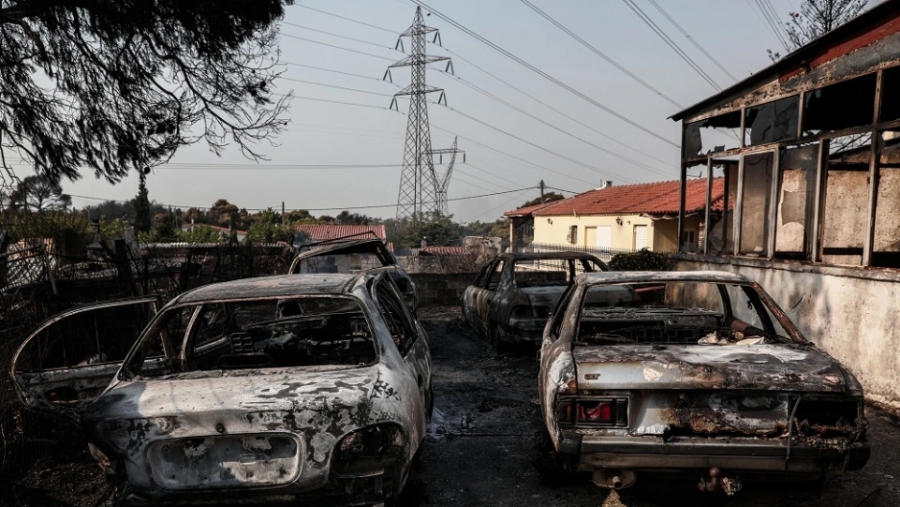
657,198
324,232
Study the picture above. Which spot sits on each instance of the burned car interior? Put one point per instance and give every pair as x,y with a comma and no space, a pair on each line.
268,333
676,313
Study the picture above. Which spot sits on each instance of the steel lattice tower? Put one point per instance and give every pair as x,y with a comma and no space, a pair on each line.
418,182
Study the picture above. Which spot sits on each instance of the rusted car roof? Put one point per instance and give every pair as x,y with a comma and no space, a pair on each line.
545,255
659,276
271,286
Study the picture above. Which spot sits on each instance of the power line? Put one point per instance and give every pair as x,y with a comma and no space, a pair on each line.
526,113
337,208
332,70
273,167
335,47
551,108
544,74
335,86
694,42
600,53
772,24
339,35
346,19
671,43
560,155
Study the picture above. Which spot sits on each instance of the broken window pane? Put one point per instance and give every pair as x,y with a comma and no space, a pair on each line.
722,219
755,206
795,198
890,95
714,134
886,249
772,122
846,200
840,106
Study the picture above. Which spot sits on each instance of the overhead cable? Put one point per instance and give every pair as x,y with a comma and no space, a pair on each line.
599,53
671,43
544,74
693,41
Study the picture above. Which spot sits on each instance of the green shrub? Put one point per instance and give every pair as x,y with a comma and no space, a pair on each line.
643,260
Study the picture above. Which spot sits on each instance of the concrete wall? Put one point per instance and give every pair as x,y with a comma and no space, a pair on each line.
556,230
850,313
441,289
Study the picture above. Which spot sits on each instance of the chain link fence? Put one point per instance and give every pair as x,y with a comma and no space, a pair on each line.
39,278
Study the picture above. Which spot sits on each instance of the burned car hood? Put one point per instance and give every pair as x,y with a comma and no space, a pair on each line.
205,396
763,367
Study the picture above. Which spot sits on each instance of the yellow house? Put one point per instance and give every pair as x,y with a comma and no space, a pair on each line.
623,218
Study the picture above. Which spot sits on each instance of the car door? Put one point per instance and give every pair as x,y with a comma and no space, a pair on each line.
72,357
483,297
407,334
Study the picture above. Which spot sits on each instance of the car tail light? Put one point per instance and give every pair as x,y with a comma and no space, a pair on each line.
592,412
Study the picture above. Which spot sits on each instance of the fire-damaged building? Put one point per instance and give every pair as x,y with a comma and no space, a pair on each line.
809,149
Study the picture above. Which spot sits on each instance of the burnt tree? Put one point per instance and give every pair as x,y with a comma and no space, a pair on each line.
114,85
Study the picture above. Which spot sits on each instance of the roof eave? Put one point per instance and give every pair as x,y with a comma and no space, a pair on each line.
872,16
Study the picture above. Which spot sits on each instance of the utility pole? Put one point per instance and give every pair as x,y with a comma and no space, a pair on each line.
542,191
418,193
282,213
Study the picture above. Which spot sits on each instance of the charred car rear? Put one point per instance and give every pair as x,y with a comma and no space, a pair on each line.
347,255
303,386
693,372
513,295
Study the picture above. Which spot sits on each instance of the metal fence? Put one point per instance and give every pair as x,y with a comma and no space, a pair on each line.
37,280
604,254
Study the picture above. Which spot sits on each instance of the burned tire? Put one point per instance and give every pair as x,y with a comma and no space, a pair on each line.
497,343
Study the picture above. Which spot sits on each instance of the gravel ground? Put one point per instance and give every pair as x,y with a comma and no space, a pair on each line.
481,448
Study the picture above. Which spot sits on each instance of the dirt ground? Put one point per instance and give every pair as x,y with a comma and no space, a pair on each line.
481,450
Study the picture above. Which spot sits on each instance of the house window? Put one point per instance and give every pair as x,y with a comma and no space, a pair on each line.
687,238
640,237
573,234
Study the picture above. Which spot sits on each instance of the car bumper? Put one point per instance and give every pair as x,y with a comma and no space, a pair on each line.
589,453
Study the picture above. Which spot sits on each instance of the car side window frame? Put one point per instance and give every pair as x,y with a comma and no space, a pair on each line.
558,318
479,280
387,295
498,269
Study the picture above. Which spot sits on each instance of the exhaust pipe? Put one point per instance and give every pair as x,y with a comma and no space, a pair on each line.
716,482
614,479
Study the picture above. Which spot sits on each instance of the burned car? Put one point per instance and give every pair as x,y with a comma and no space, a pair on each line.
513,295
699,373
346,255
259,390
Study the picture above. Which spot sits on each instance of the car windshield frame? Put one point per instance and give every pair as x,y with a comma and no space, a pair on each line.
176,356
762,302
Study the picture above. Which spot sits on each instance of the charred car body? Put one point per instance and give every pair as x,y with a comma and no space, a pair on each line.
347,255
277,388
694,372
513,295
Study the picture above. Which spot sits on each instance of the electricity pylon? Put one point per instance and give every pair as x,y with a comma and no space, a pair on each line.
443,182
418,193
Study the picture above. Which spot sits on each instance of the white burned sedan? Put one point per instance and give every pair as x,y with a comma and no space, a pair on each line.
696,373
304,386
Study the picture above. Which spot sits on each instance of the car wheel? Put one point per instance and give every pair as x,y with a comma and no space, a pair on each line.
496,340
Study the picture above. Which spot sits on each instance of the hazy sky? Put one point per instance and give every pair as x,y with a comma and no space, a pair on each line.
732,31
